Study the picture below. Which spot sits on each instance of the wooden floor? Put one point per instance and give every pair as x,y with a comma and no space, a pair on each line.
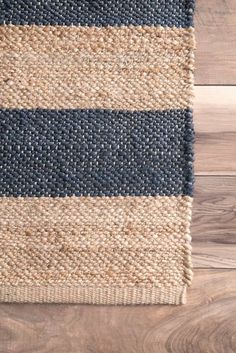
207,323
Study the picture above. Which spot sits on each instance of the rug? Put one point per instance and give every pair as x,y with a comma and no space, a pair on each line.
96,152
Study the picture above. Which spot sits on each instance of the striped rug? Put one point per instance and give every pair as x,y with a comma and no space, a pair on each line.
96,151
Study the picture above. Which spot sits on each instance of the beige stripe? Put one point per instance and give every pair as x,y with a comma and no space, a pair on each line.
94,295
95,241
131,68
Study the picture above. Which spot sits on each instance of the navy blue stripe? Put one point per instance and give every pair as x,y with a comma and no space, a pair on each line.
171,13
95,152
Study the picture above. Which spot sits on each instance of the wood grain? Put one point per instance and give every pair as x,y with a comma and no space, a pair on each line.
214,210
206,324
215,109
215,22
214,222
214,255
215,125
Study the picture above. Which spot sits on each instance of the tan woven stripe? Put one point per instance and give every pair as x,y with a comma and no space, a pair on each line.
95,241
94,295
131,68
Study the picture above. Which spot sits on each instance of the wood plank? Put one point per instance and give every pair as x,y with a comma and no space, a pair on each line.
206,324
213,255
215,109
215,125
215,22
214,223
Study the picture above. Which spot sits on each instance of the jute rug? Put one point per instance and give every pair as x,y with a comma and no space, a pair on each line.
96,151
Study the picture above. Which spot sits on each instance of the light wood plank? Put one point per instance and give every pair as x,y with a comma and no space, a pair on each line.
214,222
215,154
206,324
214,210
215,22
215,109
215,125
213,255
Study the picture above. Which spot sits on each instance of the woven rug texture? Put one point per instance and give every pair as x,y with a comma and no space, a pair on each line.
96,151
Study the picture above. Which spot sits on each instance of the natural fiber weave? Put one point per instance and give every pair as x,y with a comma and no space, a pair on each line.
98,241
96,151
178,13
128,68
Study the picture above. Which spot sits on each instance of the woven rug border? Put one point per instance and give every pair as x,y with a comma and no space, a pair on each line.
93,295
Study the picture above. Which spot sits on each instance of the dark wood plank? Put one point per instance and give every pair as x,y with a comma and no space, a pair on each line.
215,22
206,324
215,125
214,222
